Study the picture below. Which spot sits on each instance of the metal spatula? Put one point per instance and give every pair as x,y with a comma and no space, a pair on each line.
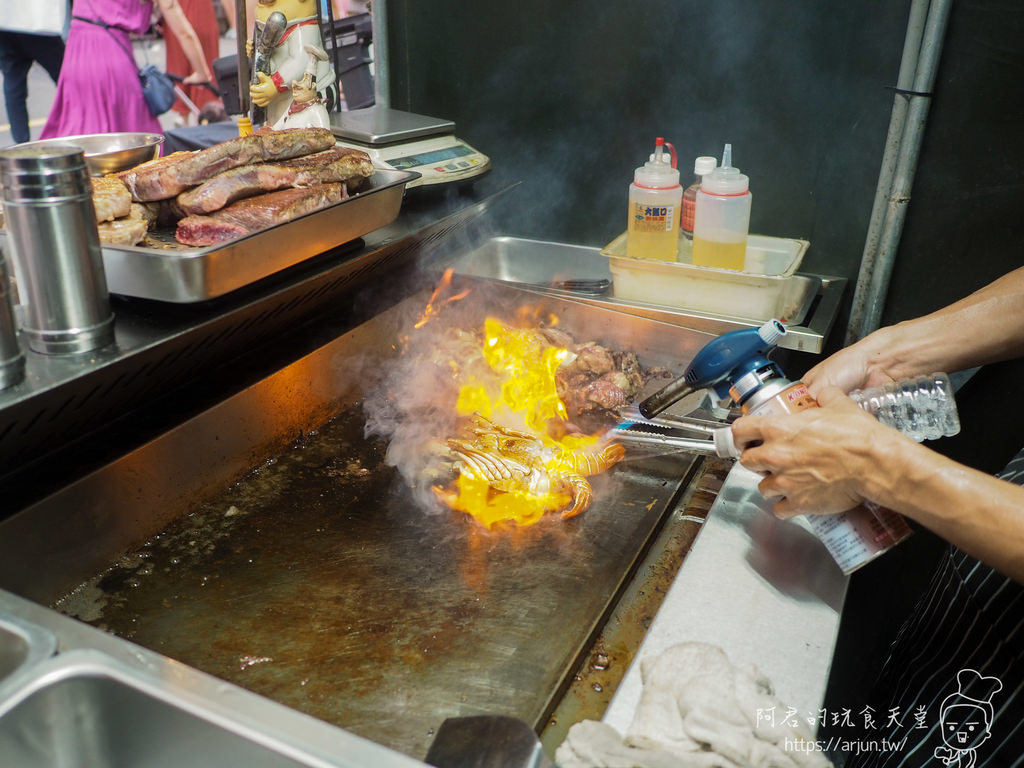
486,741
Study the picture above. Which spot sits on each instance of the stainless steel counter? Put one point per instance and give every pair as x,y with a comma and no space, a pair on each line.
764,590
100,701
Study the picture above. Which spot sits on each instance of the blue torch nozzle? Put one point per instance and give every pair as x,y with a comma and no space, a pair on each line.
717,364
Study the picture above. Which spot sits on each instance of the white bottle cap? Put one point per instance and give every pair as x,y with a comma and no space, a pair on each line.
657,175
704,165
725,446
725,181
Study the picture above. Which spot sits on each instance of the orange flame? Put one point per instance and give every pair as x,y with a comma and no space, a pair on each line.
435,303
475,496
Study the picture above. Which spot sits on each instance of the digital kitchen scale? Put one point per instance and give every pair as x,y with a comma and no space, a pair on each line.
406,141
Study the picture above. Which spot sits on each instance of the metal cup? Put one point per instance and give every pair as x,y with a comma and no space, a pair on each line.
55,244
12,362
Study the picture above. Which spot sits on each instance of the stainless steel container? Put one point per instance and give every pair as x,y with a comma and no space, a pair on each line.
12,362
51,221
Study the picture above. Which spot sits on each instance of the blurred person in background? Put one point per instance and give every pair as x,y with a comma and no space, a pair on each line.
99,90
29,32
203,18
231,17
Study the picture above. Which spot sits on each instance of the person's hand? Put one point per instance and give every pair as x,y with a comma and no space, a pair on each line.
816,460
854,367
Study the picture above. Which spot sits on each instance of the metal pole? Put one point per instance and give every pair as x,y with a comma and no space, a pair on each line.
910,150
381,75
241,33
908,70
328,32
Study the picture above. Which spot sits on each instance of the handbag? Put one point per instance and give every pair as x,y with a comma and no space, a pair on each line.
157,89
157,85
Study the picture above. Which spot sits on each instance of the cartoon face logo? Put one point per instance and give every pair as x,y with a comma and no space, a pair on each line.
966,716
964,726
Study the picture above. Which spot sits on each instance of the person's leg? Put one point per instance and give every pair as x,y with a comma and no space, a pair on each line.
50,54
15,66
229,14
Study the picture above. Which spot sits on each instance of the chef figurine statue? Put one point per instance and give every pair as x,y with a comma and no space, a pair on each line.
307,109
289,58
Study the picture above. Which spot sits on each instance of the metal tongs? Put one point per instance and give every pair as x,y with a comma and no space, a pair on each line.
737,355
674,432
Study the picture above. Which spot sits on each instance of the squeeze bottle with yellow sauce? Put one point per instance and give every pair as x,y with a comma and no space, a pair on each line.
655,202
722,218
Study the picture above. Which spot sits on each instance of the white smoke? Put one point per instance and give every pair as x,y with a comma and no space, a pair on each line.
413,404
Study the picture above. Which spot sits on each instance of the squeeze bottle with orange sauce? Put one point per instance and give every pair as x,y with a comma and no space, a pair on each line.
655,203
702,166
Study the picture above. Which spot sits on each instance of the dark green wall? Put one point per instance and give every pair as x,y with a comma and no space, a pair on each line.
567,97
965,222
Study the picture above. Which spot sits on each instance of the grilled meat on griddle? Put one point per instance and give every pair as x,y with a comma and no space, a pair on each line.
110,198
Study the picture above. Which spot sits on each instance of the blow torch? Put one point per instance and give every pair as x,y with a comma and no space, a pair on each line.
721,363
735,362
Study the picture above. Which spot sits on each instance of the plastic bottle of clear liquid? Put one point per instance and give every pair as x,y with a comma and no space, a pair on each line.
922,408
655,203
722,217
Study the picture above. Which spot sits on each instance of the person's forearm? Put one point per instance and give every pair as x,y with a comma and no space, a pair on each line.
182,28
250,14
980,514
985,327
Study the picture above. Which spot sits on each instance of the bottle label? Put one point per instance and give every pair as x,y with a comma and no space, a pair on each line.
792,399
653,218
689,211
859,535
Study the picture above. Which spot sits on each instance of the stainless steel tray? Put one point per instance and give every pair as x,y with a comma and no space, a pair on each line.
545,265
165,270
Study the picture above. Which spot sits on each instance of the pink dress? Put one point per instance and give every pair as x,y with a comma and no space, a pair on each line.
98,90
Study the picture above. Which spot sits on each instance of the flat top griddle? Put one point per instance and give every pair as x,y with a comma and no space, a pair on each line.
319,582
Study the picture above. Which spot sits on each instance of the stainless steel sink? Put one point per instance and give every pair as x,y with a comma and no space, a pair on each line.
73,695
86,708
21,646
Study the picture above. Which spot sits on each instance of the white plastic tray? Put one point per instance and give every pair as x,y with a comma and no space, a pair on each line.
767,288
